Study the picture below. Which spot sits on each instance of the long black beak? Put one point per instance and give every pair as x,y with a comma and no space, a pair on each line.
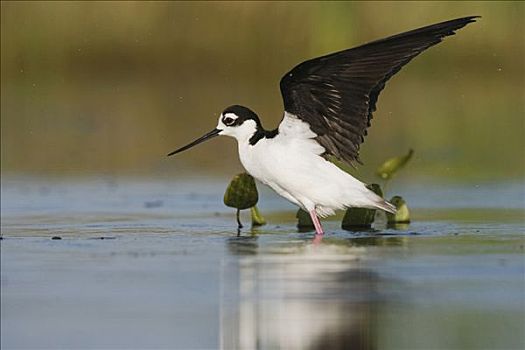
210,135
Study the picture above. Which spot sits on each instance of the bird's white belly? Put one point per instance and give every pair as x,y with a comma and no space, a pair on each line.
294,169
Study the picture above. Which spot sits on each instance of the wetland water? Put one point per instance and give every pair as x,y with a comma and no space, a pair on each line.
158,264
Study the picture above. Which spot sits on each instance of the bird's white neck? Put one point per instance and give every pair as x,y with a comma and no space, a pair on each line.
242,133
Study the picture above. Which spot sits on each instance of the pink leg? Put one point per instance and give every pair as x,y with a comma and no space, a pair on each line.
317,224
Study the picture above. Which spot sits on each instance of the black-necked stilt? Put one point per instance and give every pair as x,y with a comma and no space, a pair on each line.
328,105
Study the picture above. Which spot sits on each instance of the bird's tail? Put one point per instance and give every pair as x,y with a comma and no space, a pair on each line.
385,205
370,200
379,202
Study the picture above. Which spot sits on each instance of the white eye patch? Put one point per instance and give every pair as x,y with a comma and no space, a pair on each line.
229,119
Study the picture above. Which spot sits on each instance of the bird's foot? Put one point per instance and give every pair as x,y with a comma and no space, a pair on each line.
317,239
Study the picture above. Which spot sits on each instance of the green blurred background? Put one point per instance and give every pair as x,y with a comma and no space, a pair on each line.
111,87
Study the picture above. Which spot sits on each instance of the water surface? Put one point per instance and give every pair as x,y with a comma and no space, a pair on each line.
159,264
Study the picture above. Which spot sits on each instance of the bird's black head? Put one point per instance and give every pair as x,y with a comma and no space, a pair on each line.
243,124
236,115
238,122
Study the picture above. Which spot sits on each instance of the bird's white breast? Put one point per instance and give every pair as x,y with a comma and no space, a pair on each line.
279,159
291,164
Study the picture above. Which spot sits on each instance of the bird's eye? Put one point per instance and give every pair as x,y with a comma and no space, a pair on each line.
228,121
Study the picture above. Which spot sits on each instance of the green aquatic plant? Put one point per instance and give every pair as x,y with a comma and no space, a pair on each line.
242,194
257,218
376,188
356,218
387,170
402,216
304,221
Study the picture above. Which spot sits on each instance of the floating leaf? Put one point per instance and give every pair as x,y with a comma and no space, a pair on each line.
304,220
257,218
402,215
241,192
392,165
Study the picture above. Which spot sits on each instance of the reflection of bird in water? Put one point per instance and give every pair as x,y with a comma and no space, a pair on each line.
314,298
328,106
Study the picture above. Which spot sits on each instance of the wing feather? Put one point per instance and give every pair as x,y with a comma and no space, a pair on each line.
336,94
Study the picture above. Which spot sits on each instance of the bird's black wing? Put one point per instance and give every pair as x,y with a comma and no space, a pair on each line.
337,94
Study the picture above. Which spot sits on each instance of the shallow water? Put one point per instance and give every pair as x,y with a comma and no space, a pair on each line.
158,264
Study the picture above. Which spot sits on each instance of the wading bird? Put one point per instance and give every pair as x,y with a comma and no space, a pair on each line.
328,106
